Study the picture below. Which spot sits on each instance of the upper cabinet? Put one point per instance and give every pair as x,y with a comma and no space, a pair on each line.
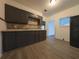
15,15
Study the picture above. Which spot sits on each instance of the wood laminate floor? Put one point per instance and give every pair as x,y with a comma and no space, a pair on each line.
48,49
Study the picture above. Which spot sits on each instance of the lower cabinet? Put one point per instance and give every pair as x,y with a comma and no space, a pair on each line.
9,41
36,36
42,35
24,38
17,39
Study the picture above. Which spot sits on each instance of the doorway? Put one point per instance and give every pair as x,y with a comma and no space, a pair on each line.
51,29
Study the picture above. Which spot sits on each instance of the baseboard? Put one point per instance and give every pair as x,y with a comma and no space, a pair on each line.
63,40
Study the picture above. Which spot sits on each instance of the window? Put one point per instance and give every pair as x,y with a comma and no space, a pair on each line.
64,21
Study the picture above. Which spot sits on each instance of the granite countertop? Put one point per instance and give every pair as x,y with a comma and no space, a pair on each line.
21,30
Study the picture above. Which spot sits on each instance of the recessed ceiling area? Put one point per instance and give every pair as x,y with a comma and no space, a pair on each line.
41,5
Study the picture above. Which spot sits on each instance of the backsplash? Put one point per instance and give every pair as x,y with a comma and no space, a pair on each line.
22,26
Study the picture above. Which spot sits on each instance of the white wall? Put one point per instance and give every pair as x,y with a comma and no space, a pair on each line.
2,23
2,8
68,12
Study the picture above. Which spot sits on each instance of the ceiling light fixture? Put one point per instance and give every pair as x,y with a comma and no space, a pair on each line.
52,2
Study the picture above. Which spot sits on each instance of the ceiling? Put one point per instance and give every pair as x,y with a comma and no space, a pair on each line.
40,5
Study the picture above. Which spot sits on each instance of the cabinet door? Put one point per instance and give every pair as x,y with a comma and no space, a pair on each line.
21,38
31,37
42,35
36,36
24,38
9,41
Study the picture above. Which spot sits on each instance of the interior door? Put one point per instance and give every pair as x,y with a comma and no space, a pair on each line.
74,31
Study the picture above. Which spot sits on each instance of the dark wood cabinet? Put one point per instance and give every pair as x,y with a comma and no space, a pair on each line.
19,16
15,15
42,37
9,41
17,39
21,38
39,37
36,37
24,38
